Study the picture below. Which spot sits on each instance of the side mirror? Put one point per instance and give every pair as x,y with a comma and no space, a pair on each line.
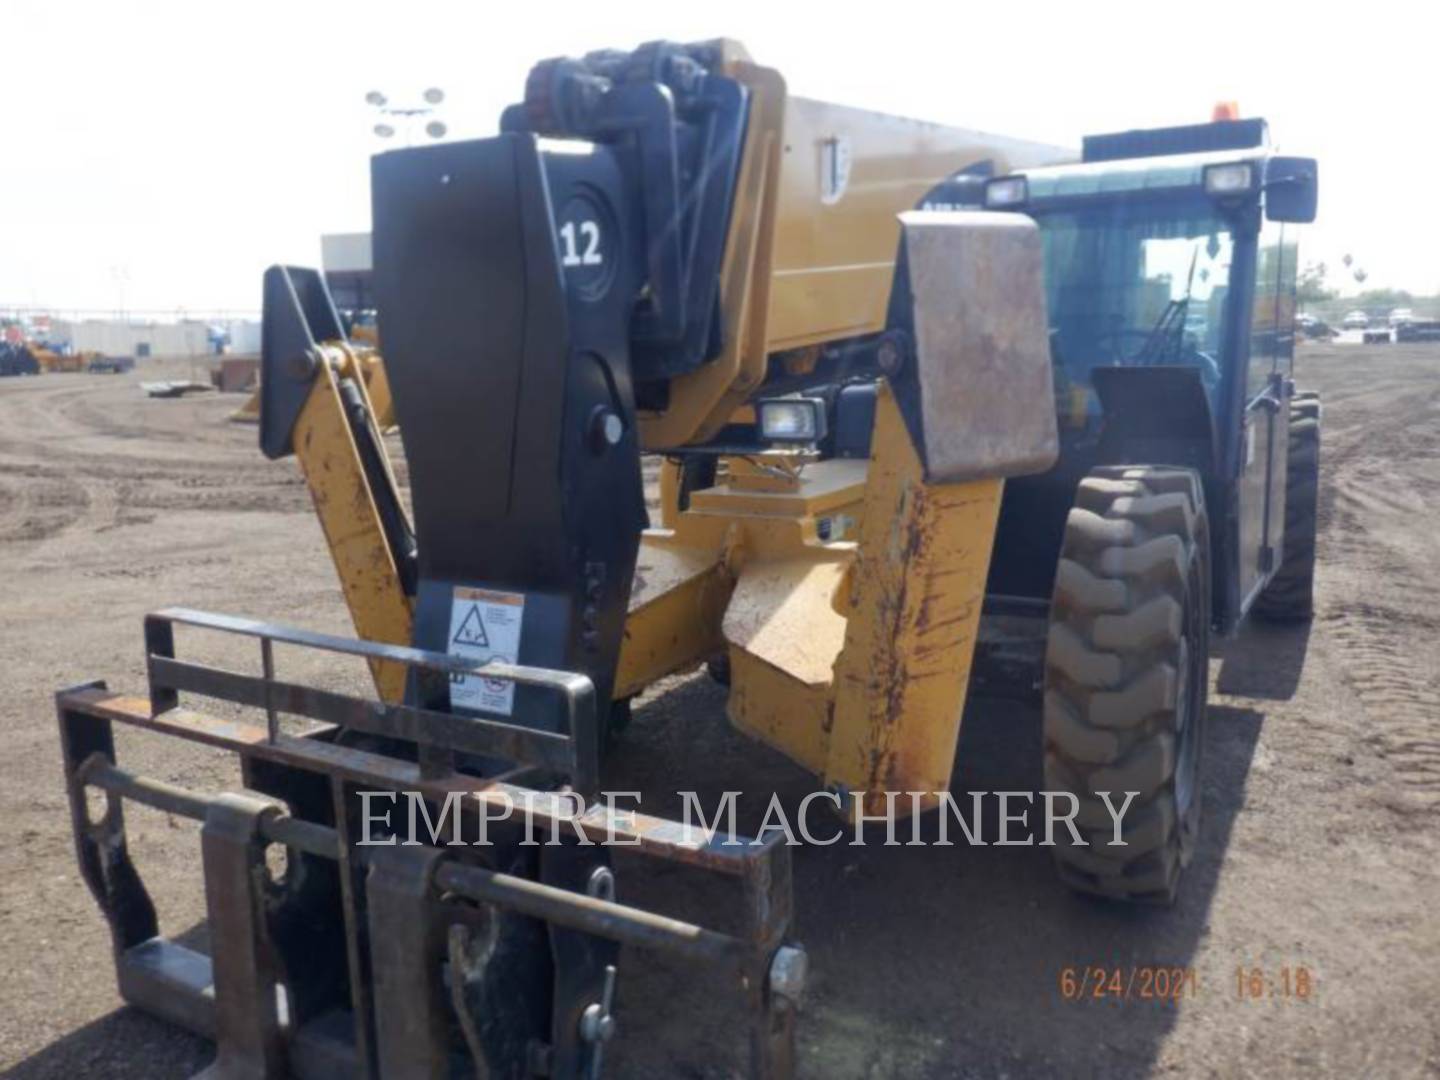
1292,189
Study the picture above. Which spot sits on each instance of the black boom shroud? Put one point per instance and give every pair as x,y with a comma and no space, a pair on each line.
504,372
499,373
528,289
524,289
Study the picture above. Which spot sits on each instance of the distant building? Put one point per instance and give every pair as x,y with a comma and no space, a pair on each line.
118,337
348,263
242,336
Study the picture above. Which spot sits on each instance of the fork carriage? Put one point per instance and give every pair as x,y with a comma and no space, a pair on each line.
358,957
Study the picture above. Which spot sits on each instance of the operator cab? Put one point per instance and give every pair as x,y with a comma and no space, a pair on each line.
1170,262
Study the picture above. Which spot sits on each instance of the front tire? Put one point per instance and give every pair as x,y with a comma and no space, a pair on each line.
1126,678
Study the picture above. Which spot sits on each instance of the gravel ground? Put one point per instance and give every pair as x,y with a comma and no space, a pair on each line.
1322,790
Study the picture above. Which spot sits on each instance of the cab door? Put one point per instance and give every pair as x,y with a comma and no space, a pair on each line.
1264,428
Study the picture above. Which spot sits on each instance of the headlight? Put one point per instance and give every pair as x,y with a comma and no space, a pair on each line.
1236,179
797,420
1006,192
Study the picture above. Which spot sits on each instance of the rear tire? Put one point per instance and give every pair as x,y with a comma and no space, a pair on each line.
1126,678
1290,596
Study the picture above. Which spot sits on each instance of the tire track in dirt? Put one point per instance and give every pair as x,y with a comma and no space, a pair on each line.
36,503
1379,463
69,460
959,950
49,491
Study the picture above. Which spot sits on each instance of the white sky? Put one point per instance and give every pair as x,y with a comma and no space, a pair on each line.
162,154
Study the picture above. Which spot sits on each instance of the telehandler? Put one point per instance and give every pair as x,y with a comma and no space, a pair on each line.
833,327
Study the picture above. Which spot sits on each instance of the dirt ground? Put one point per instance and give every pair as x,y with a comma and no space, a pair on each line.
1322,793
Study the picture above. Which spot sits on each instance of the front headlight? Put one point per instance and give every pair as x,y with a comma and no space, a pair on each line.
797,420
1236,179
1006,193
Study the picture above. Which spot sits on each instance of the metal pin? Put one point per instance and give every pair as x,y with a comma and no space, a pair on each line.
597,1024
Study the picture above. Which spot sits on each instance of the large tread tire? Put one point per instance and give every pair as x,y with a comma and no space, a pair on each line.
1290,596
1126,677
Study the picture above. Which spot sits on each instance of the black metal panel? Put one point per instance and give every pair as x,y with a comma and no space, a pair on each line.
502,970
905,382
308,938
1152,416
709,154
370,448
1032,525
962,190
680,130
1222,498
100,846
854,420
1247,134
1156,403
456,301
503,366
297,316
1292,189
353,290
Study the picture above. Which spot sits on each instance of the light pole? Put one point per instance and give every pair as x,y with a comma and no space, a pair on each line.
396,118
120,274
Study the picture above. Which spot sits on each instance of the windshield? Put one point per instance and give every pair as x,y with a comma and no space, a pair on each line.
1133,283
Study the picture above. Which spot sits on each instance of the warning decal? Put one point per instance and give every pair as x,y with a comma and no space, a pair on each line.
472,629
485,625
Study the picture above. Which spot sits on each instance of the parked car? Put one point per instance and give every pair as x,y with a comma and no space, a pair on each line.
1356,320
114,365
1401,315
1309,326
1418,330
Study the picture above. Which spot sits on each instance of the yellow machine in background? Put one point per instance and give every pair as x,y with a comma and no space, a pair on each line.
248,413
50,361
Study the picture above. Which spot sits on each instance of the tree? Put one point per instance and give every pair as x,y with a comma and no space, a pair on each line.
1383,299
1310,285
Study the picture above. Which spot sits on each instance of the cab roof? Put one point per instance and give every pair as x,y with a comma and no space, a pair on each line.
1176,172
1152,159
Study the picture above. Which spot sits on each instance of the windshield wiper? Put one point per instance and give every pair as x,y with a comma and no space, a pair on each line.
1169,330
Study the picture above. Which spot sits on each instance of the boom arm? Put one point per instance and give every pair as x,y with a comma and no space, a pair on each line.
315,401
714,232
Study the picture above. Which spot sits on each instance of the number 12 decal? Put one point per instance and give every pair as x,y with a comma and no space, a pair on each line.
570,254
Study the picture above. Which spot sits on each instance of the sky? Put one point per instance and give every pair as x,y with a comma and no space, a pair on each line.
160,155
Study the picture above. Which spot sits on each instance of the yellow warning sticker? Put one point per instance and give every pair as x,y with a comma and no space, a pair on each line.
485,625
